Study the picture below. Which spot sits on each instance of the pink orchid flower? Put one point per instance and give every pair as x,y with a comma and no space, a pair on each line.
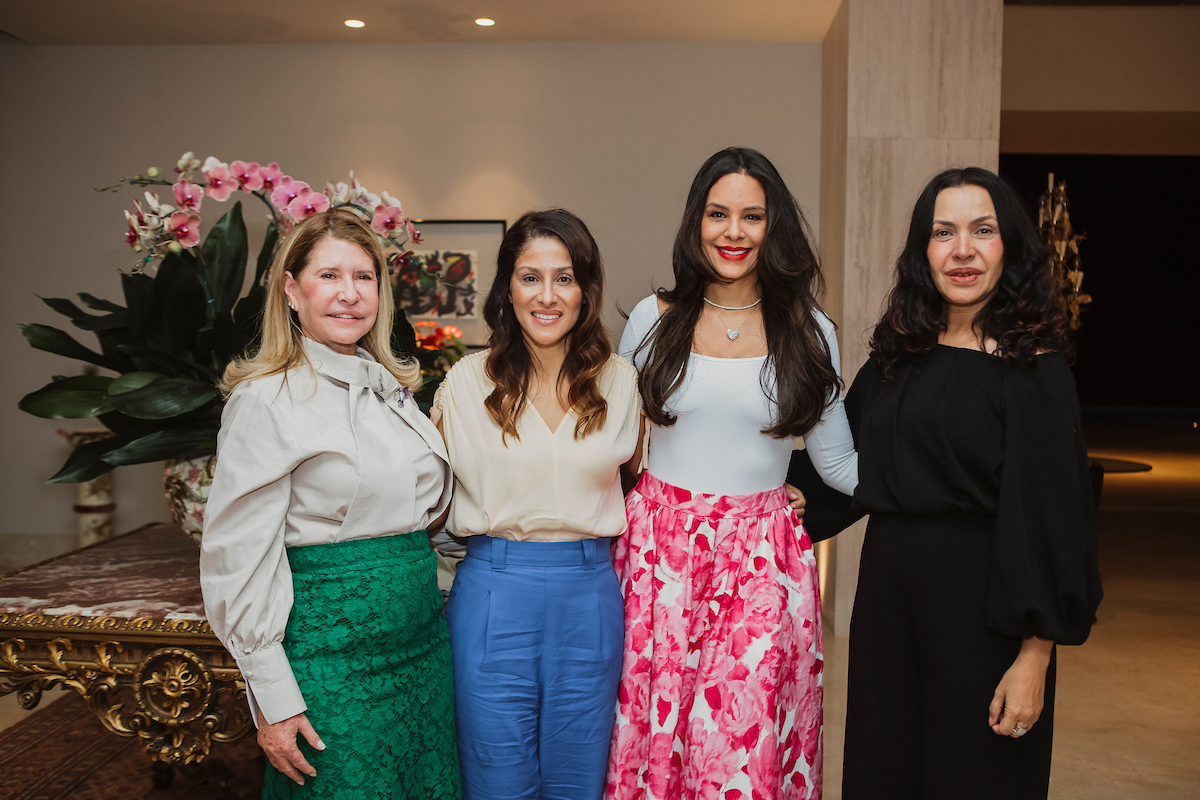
185,228
307,203
249,176
219,184
387,219
413,233
271,176
187,196
286,191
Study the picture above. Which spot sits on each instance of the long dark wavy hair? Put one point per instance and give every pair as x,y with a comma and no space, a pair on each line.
789,278
510,363
1025,314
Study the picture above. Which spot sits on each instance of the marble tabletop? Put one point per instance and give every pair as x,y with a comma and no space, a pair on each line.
151,573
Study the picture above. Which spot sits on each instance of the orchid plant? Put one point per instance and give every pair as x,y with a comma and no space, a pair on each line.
182,325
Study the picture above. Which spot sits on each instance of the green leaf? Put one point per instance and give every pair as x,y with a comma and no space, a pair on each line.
131,381
163,399
150,359
117,422
87,461
65,307
180,306
404,340
247,314
224,253
76,397
139,296
188,442
96,304
118,319
224,341
267,254
52,340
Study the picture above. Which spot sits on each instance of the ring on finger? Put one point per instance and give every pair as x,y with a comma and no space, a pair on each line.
1018,732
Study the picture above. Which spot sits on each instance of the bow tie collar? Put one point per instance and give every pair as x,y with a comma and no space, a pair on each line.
360,370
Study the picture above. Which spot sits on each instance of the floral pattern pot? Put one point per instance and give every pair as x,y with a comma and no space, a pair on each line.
187,483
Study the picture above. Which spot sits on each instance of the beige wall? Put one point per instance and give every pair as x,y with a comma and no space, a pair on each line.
1118,80
612,131
1121,58
905,95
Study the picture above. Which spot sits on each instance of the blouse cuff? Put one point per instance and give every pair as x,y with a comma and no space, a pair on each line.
270,682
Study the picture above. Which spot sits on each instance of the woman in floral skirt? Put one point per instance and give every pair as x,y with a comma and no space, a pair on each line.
721,685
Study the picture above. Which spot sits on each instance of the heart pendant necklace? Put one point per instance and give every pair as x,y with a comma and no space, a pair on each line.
732,333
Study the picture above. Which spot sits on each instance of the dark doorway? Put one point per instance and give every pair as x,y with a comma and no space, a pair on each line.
1137,348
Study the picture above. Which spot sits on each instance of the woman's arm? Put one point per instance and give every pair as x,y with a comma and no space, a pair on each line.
1020,695
631,470
244,571
830,444
278,742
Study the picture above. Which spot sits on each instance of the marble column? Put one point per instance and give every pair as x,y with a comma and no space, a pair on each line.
908,89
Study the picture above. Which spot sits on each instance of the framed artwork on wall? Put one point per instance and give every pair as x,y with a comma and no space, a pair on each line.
449,274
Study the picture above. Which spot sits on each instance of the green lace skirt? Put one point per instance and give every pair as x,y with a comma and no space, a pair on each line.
369,647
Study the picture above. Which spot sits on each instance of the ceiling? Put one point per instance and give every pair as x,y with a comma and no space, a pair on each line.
132,22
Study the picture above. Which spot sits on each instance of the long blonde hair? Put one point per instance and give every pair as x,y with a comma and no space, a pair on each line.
282,347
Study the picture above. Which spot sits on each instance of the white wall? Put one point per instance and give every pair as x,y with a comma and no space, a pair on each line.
612,131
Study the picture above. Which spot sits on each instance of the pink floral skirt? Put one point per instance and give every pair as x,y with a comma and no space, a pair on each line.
721,684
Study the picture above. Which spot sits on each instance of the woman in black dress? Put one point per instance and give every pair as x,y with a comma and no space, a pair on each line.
980,554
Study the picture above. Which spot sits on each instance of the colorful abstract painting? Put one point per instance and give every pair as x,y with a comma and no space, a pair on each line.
437,283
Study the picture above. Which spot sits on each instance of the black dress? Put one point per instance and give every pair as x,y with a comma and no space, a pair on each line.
981,534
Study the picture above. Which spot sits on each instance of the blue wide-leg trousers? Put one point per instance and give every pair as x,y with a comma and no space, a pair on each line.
536,631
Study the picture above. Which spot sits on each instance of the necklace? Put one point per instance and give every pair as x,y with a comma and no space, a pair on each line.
733,308
732,333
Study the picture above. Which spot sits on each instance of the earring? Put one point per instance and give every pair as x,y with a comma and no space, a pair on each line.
291,305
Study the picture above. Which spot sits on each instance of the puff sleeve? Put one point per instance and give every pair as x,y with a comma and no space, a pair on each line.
1044,576
244,571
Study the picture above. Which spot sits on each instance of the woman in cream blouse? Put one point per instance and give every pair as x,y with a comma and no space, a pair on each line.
537,428
316,572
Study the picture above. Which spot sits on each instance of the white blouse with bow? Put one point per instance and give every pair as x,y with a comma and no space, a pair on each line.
307,459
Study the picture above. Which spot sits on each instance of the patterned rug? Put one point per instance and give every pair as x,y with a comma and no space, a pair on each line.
61,750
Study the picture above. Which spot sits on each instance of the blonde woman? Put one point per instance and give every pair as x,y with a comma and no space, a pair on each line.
316,571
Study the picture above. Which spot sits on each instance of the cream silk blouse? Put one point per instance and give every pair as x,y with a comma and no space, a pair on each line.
312,459
548,486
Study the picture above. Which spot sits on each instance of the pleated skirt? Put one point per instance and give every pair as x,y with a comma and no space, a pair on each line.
721,683
369,648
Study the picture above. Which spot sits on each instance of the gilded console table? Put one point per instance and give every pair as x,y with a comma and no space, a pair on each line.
122,623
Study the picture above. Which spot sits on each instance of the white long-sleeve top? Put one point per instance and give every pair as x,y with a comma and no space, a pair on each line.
716,445
307,459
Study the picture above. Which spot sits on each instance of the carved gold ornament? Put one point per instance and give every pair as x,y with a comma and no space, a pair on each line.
1060,238
178,700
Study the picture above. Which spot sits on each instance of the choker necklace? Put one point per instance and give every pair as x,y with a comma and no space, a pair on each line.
733,308
732,333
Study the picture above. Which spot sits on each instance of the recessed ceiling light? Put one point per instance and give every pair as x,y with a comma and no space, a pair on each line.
355,23
485,22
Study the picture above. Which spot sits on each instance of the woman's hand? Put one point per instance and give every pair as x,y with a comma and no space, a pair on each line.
278,741
1020,695
797,498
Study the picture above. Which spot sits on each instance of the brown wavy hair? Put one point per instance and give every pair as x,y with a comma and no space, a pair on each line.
510,362
789,277
1025,314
